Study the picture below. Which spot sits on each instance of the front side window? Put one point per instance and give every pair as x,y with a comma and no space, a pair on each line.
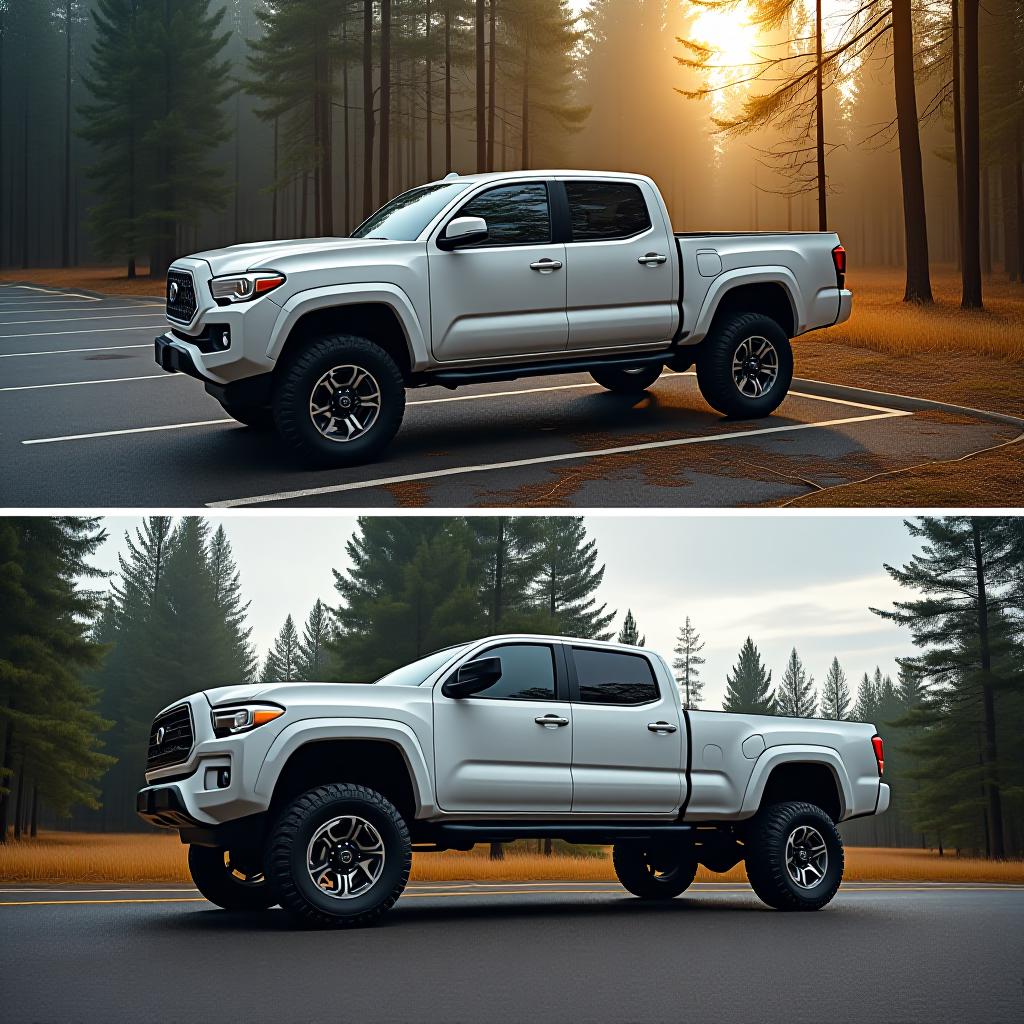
609,677
405,217
527,673
417,672
515,214
606,210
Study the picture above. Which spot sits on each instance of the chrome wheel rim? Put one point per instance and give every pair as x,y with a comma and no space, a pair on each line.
345,403
806,856
345,857
755,366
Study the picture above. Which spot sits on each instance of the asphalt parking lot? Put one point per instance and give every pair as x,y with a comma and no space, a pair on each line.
533,951
87,419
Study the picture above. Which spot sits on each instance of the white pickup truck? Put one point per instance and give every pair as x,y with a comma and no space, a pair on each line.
491,277
313,796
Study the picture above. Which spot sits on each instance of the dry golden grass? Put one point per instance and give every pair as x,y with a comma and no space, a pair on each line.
105,280
63,857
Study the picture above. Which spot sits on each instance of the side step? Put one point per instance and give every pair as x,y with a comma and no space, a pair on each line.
599,832
490,374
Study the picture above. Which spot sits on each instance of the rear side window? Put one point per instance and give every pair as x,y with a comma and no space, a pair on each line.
527,673
515,214
606,210
608,677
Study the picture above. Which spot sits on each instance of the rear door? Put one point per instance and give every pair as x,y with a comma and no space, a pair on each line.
621,289
509,748
627,744
504,296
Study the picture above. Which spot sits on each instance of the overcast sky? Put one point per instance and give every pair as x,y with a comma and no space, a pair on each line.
787,580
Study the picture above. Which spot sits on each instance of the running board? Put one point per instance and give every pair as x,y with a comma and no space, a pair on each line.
600,832
491,374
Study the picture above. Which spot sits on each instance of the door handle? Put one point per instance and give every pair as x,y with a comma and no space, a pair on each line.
652,259
662,727
546,266
551,721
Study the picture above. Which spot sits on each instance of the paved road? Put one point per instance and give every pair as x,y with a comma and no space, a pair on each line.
88,419
534,952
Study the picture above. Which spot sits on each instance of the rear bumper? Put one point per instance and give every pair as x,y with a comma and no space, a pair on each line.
845,305
883,798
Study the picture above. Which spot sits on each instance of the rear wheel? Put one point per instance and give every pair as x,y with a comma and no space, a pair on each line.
626,381
232,881
655,871
745,366
794,856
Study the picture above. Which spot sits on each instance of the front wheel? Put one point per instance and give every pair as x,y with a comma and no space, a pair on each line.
339,857
745,366
340,401
626,381
232,881
794,856
654,871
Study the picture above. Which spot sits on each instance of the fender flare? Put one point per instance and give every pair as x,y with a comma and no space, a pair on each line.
772,757
379,293
735,278
305,731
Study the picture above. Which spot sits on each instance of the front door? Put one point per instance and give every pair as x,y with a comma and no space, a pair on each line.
509,748
504,296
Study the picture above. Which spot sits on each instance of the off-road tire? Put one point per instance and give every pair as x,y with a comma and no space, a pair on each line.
259,417
765,844
636,863
289,840
216,882
715,366
626,381
296,379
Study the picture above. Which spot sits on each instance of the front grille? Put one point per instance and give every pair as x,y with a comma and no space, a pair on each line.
183,306
175,744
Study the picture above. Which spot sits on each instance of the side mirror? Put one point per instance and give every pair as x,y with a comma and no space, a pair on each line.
463,231
473,678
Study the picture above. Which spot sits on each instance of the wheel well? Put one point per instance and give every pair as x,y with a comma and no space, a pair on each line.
814,783
770,299
376,764
371,320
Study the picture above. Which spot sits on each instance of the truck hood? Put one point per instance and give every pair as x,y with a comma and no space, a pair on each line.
236,259
292,694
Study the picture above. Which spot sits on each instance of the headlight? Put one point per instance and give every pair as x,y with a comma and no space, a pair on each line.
243,287
228,721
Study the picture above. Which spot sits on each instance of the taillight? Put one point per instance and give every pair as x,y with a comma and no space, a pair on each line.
876,743
839,260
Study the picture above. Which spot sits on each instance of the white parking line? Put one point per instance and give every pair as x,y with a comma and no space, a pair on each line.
309,492
65,351
83,309
62,334
76,383
77,319
60,293
132,430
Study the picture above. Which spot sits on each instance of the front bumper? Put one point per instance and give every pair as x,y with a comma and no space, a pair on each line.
164,807
174,357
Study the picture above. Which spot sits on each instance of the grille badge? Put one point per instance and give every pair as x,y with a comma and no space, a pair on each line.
160,734
172,292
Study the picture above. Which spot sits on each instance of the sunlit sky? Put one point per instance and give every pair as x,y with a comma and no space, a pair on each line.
795,580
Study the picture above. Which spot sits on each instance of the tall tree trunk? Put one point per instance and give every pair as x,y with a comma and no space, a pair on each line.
33,822
317,149
326,153
819,128
8,764
19,801
304,205
447,90
971,298
986,223
481,126
368,123
347,169
384,169
993,805
492,78
499,574
273,208
958,134
24,188
497,851
915,227
525,112
429,87
238,164
65,239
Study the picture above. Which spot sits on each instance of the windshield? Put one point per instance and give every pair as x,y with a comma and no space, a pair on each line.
416,671
405,217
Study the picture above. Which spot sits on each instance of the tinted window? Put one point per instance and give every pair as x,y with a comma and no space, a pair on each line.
607,677
527,673
405,217
417,671
606,209
515,214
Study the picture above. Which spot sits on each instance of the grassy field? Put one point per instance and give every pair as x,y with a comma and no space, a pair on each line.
63,857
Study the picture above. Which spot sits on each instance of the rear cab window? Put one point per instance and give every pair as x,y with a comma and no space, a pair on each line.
614,677
603,211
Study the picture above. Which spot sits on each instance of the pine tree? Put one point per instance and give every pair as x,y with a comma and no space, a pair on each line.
687,665
313,648
282,662
835,693
629,633
795,696
227,591
568,579
748,689
867,700
508,556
